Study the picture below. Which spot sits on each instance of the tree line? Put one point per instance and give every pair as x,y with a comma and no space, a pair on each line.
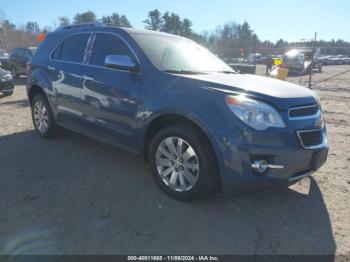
229,40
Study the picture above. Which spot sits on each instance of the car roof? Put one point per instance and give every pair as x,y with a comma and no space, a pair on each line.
146,31
99,26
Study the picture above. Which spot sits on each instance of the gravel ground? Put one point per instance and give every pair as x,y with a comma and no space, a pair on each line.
73,195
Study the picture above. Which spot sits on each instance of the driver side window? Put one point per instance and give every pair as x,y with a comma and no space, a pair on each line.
108,44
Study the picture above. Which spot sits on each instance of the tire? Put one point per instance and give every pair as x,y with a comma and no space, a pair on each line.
184,188
49,130
8,93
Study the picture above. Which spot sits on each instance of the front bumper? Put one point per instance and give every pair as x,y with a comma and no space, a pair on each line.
277,147
7,85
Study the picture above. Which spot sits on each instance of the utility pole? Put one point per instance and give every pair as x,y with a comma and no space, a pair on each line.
255,56
313,58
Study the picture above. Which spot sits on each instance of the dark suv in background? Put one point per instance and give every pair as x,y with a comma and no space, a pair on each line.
19,57
201,125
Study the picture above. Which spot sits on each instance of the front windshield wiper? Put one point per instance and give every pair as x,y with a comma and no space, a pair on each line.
183,72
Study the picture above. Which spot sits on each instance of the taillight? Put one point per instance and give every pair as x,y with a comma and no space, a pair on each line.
27,69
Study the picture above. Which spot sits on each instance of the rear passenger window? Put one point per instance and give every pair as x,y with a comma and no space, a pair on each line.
108,44
72,49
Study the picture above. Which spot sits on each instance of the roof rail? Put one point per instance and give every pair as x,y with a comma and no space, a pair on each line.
81,25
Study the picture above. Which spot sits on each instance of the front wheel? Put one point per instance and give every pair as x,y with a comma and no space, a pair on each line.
43,118
182,162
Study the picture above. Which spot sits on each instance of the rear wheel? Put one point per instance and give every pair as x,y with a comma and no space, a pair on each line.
182,162
43,118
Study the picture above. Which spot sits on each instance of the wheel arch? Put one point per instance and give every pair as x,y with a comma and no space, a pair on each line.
33,90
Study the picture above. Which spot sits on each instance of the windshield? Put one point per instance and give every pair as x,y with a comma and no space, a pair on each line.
177,54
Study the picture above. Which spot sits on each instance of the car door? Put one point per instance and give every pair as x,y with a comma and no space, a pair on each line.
111,95
66,72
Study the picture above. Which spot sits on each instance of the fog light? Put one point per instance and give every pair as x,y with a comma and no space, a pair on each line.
260,166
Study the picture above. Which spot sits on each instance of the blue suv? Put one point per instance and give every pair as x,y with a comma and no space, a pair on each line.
200,125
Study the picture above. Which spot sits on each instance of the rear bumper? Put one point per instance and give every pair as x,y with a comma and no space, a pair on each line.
236,156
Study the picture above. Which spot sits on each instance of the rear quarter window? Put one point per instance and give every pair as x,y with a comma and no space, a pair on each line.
72,49
46,46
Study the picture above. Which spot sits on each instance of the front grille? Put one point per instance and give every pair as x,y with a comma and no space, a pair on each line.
310,138
303,111
6,84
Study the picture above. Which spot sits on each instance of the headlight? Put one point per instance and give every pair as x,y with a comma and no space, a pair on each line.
255,114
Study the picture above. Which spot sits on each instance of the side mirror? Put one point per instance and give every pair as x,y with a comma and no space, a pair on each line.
121,62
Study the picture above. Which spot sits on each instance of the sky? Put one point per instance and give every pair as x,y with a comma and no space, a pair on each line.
273,19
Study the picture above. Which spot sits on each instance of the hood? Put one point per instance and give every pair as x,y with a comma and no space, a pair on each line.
3,72
282,93
258,84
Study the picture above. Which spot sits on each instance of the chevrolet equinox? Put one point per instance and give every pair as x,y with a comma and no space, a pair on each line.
200,125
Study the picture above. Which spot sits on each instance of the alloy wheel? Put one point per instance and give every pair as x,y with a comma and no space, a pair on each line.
41,117
177,164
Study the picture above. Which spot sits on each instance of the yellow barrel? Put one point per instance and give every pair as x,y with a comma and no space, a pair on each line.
282,73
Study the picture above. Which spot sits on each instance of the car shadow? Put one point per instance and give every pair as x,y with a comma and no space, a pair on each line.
75,195
295,74
17,103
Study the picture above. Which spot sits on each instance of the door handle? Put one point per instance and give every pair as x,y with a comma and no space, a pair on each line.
88,78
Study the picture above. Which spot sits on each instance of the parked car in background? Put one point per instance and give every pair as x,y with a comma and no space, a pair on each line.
6,82
18,59
256,58
241,65
4,59
199,124
335,60
346,60
301,61
324,59
343,59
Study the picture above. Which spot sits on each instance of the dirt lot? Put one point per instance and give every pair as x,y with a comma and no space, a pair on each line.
77,196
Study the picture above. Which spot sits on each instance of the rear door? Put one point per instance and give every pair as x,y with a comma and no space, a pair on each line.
111,95
66,71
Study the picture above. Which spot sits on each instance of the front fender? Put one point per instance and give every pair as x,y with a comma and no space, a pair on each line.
207,113
206,108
